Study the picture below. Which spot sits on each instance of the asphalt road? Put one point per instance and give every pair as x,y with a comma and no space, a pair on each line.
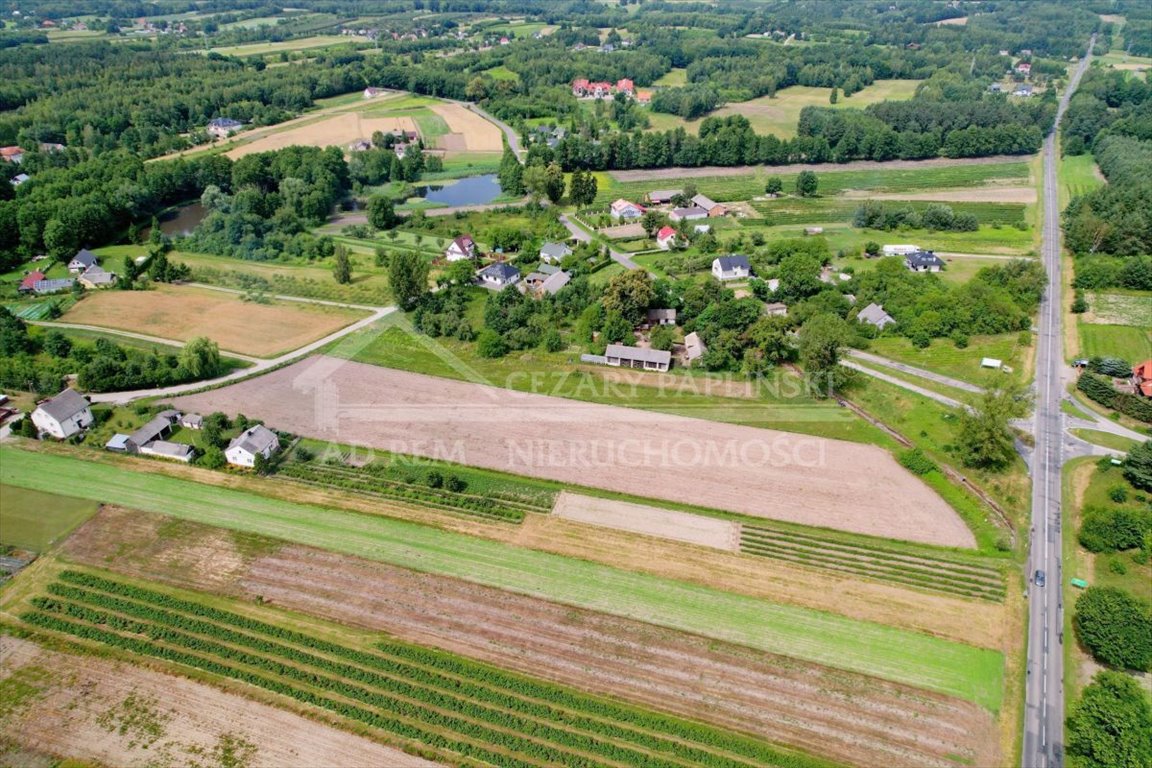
1044,697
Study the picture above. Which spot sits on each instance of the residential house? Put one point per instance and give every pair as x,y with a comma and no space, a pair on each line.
498,275
462,247
656,317
663,196
19,179
97,277
734,267
995,88
874,314
580,87
666,238
924,261
776,309
82,261
1024,68
28,284
64,415
688,214
252,442
371,93
12,154
622,209
899,250
223,127
694,347
504,41
554,253
711,206
620,356
643,96
401,149
1023,90
546,281
1142,378
46,287
600,90
625,86
361,145
812,231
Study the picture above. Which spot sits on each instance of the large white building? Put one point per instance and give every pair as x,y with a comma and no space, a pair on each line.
64,415
257,440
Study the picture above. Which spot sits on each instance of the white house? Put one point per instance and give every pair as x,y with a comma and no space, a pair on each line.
620,356
731,268
463,247
371,92
622,209
257,440
223,127
498,275
666,238
64,415
83,261
554,253
899,250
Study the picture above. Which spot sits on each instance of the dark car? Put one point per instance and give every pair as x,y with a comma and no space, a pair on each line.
1039,578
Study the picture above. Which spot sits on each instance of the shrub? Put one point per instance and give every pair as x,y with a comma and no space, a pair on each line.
1116,565
1115,628
1118,494
455,484
434,479
303,454
1111,725
1109,530
1138,466
916,462
1109,366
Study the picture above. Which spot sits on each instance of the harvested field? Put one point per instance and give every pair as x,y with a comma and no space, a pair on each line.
763,473
990,194
339,131
469,131
650,521
623,232
112,713
184,312
847,717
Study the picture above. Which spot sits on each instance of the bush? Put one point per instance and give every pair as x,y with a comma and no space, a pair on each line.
1111,725
1138,466
1110,366
491,344
916,462
434,479
303,454
1116,565
455,484
1118,494
1111,530
1115,628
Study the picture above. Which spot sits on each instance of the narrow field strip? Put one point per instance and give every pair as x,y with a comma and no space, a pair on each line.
901,656
431,687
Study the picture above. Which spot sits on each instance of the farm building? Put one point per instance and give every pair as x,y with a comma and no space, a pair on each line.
620,356
192,421
874,314
663,196
708,204
924,261
554,253
1142,378
498,275
666,238
19,179
692,213
623,209
82,261
159,427
252,442
223,127
656,317
694,347
97,277
899,250
776,309
733,267
46,287
462,247
164,449
545,281
371,93
64,415
28,283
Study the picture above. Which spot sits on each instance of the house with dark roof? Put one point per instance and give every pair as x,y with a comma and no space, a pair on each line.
462,247
656,317
874,314
924,261
498,275
252,442
223,127
82,261
160,426
663,196
46,287
620,356
734,267
67,414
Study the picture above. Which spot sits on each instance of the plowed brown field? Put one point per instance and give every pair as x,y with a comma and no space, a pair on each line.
847,717
111,713
760,472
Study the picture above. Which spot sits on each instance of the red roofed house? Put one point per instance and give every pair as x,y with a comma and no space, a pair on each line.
30,280
623,209
462,247
12,154
625,85
580,87
600,90
666,238
1142,378
1024,68
643,96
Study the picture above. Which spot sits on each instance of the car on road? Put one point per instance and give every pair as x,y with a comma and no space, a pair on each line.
1038,578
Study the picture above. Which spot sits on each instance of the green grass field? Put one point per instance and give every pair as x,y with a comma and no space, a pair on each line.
1136,578
1123,341
673,77
299,44
780,114
1105,439
942,356
887,652
1077,176
1120,308
36,519
823,210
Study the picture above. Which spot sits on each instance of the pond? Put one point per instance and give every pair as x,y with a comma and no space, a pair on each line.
474,190
180,221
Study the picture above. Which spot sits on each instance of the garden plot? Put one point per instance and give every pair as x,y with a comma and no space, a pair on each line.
763,473
340,131
650,521
113,713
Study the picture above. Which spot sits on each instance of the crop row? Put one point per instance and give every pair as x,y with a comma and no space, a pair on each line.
429,497
450,683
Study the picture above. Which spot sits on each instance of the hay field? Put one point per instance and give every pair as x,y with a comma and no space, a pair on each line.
758,472
779,115
649,521
469,132
182,313
340,130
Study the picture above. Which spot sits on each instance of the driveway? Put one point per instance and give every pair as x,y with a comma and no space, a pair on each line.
582,235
